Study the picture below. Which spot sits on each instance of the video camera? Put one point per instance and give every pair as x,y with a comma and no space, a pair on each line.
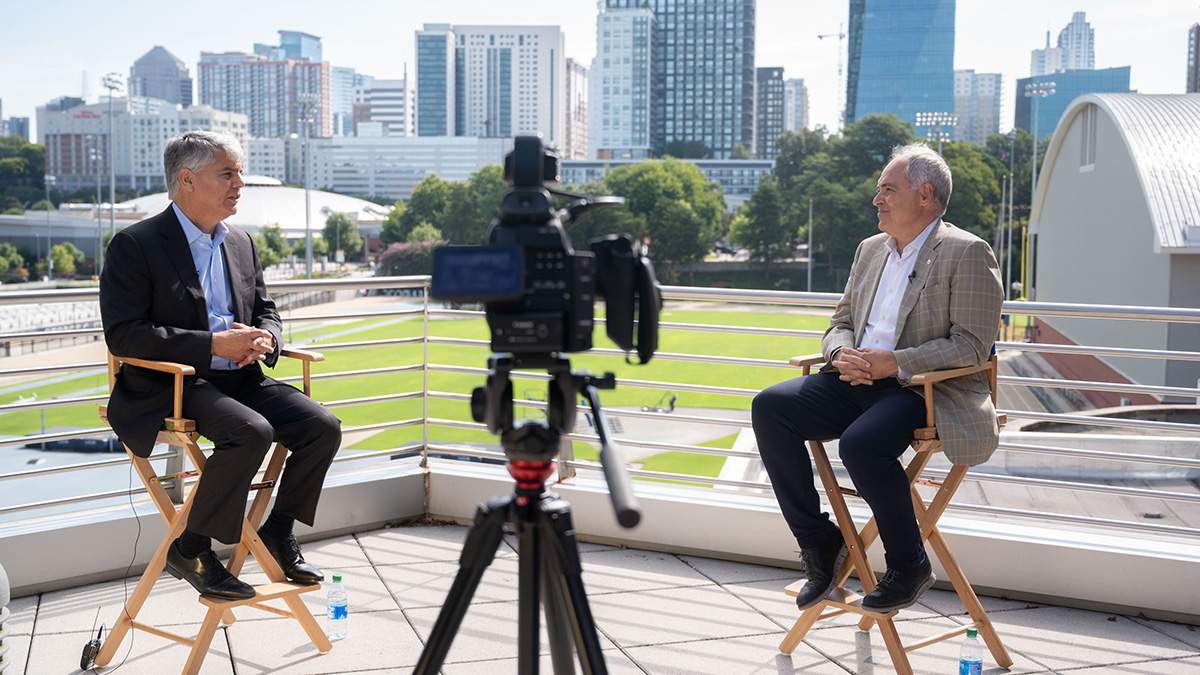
538,292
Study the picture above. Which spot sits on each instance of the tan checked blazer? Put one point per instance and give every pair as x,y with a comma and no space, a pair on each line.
949,318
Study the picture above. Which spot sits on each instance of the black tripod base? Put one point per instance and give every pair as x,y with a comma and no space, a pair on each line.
549,565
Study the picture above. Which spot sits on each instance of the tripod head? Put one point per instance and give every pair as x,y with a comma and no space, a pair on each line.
530,445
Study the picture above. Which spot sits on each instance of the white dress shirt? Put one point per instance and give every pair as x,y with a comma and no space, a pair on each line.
880,332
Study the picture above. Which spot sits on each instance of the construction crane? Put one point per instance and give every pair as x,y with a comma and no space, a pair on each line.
840,35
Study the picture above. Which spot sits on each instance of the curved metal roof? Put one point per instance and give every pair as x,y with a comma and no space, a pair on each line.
263,204
1162,135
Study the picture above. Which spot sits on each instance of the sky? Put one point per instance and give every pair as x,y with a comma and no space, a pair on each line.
47,46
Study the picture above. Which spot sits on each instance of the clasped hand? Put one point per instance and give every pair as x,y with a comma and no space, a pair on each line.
243,344
864,366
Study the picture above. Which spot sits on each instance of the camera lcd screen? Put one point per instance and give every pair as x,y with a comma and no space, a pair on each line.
478,273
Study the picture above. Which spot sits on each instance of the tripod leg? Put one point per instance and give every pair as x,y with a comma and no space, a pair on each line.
529,554
477,554
564,579
561,648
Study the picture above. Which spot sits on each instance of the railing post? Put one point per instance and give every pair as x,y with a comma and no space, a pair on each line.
566,453
425,376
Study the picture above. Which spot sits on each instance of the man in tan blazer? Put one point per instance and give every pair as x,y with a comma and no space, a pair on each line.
922,295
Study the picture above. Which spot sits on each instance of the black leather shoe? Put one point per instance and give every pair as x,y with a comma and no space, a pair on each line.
286,552
821,565
207,575
898,590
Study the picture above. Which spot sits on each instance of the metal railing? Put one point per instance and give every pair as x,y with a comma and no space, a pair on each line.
1177,493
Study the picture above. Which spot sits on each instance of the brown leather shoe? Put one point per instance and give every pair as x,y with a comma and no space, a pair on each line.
207,575
286,552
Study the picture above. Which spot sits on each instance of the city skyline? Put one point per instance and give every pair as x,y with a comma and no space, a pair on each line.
38,65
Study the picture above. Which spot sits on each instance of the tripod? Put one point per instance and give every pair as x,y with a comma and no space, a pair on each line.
549,570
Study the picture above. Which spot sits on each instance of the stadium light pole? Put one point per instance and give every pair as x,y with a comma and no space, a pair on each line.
111,82
307,104
937,120
1036,91
810,251
48,180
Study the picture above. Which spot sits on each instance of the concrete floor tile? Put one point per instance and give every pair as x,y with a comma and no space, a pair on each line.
614,661
488,631
1171,667
624,570
56,654
417,544
947,603
378,640
1186,633
366,592
860,652
335,554
171,603
768,598
727,572
1063,638
21,614
584,547
427,584
676,615
752,655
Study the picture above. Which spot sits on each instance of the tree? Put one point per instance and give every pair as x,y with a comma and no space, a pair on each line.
267,255
739,151
866,145
342,232
392,231
10,257
794,147
600,220
976,190
763,229
424,232
428,204
276,239
407,258
67,258
42,205
22,169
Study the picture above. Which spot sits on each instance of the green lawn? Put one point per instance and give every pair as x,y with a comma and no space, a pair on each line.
363,358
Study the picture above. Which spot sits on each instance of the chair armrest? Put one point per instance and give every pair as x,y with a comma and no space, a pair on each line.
302,354
950,373
161,366
807,362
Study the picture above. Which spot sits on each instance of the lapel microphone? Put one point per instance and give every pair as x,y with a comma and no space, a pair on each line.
912,276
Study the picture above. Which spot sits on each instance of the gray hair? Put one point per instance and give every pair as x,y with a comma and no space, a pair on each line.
193,150
926,166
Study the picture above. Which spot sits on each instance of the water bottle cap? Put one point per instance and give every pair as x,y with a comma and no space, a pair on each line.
337,579
971,632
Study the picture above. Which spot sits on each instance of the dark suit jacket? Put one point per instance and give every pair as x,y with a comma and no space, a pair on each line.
153,307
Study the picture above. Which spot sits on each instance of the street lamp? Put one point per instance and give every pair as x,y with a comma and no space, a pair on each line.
111,82
95,162
306,103
935,121
1036,91
810,251
49,180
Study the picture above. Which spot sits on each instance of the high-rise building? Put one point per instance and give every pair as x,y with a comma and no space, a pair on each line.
1079,38
1193,68
575,143
1067,86
343,85
976,105
622,84
768,111
436,93
18,126
390,103
297,45
1050,59
270,88
77,139
901,58
491,81
795,104
159,74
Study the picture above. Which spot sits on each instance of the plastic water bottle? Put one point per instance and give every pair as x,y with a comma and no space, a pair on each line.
970,657
338,608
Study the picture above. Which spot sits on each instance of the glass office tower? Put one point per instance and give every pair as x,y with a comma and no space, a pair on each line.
703,72
1067,87
901,58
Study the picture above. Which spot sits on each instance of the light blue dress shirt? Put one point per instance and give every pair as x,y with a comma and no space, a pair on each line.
214,278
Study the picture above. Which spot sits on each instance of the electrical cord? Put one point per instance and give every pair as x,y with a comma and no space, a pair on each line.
125,593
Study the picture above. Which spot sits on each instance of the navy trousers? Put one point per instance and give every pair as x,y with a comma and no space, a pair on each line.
242,412
874,424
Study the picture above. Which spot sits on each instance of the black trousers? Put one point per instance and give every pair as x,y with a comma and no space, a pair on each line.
243,412
874,424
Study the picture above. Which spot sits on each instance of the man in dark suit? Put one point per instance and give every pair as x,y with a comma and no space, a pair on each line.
184,286
922,295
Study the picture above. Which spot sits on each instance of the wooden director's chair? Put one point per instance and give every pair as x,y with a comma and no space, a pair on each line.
181,432
925,444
